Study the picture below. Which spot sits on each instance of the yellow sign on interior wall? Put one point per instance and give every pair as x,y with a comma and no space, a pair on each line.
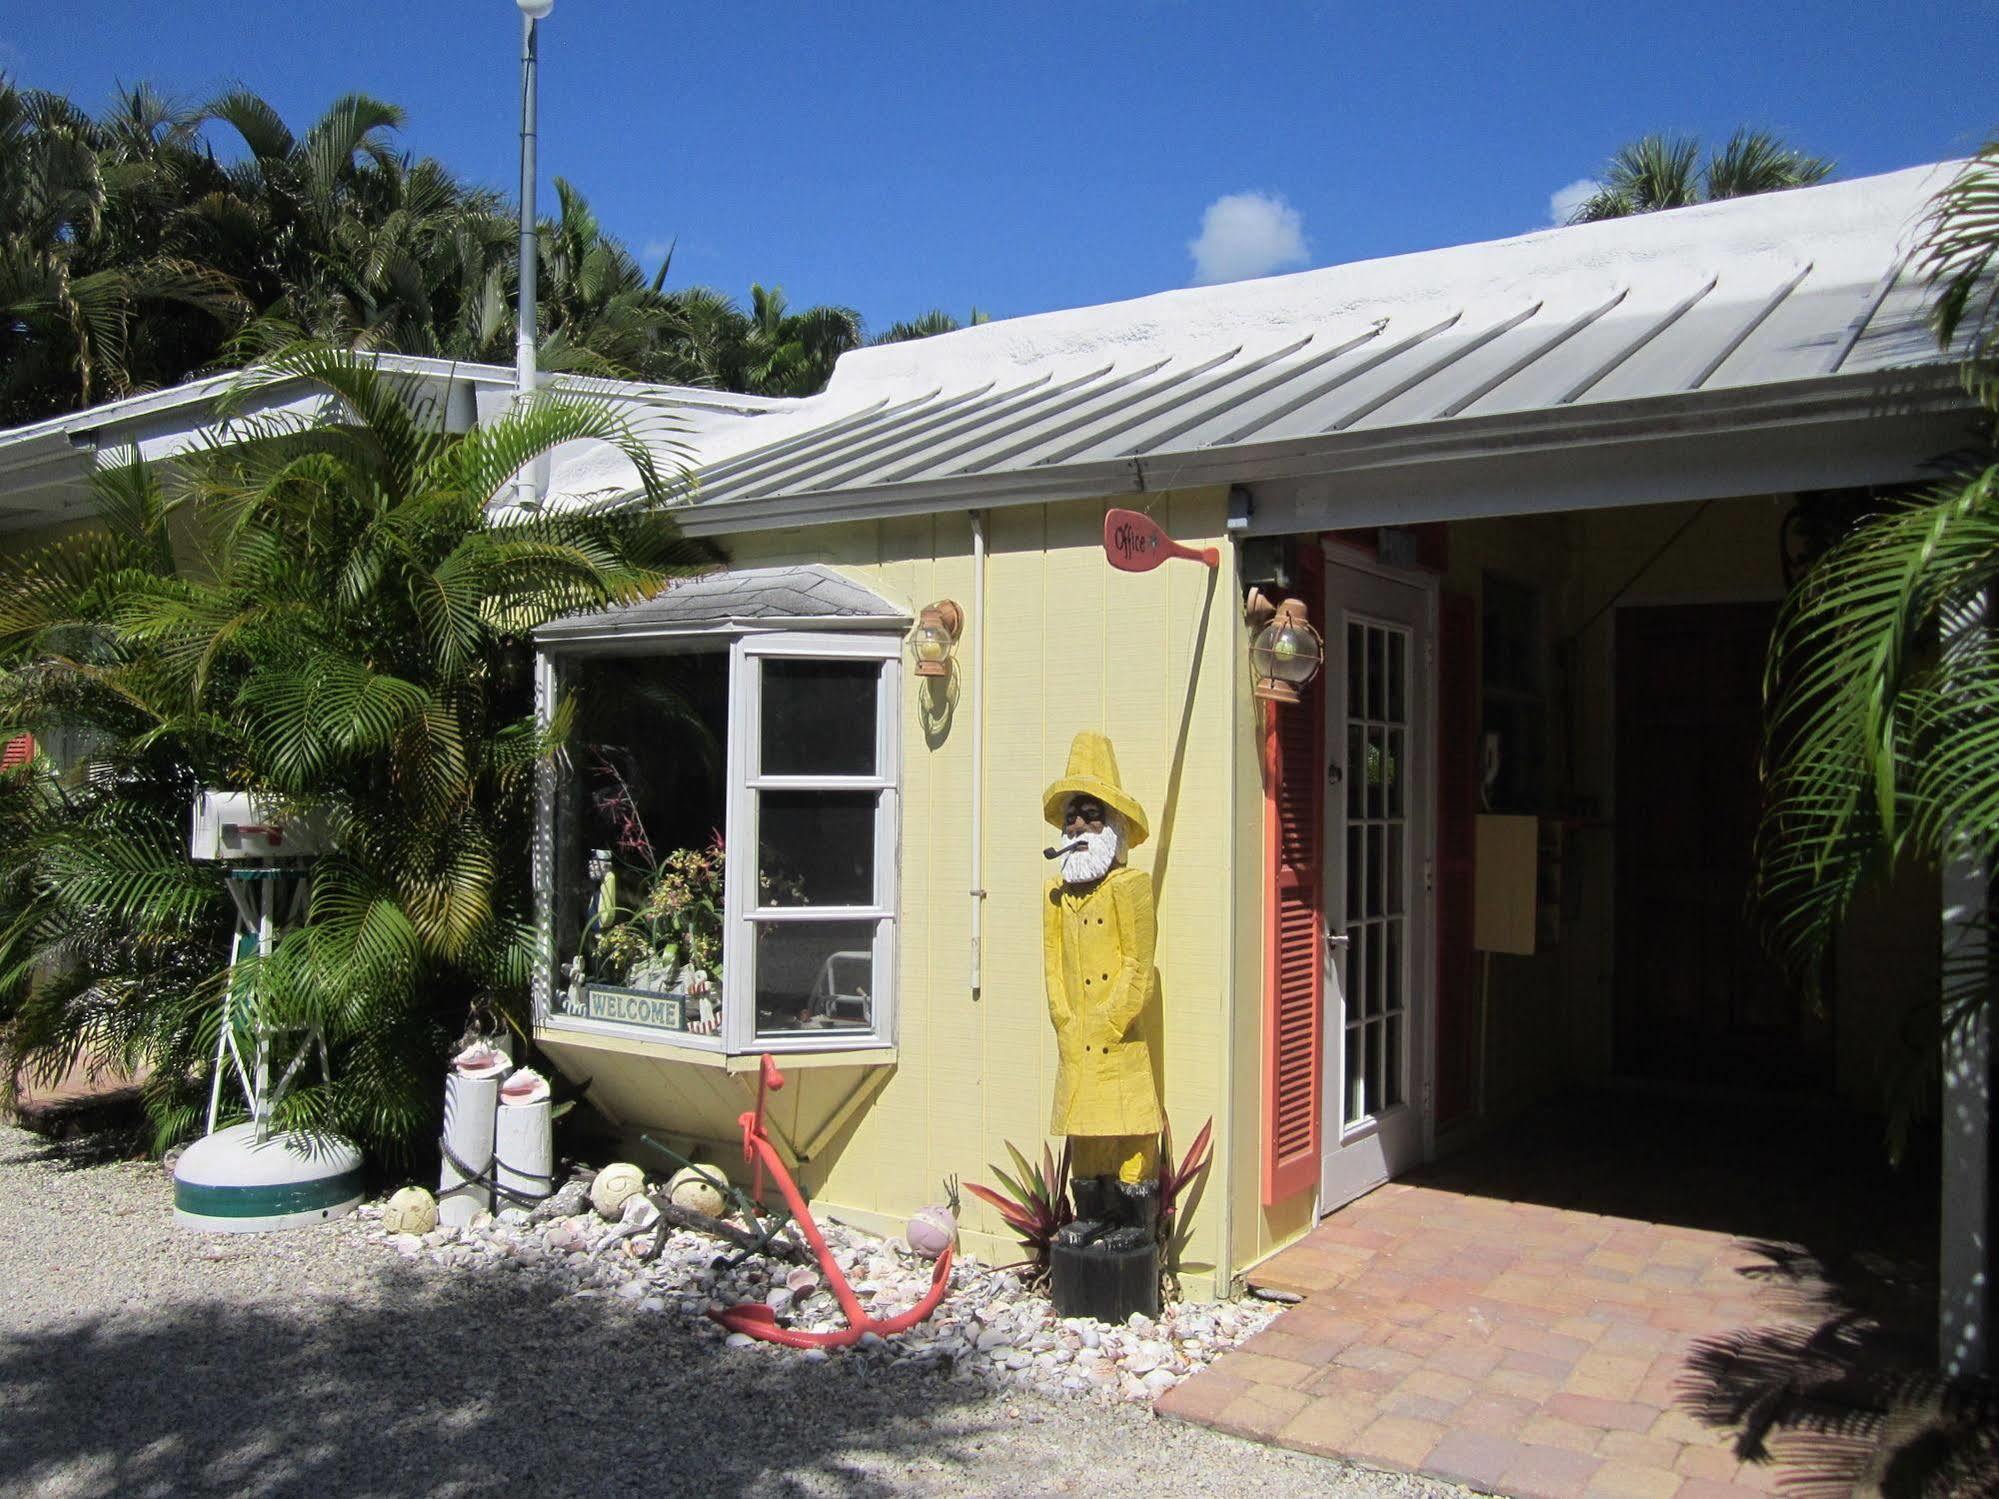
1505,883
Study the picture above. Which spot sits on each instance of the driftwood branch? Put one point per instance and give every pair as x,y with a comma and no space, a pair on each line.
671,1214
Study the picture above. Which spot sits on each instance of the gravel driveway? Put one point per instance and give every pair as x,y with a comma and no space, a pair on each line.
139,1359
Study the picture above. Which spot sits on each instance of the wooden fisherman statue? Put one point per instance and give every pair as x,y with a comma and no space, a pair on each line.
1098,934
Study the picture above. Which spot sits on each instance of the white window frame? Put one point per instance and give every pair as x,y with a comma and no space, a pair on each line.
746,779
741,916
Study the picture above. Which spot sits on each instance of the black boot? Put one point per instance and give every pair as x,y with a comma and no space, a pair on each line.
1137,1214
1094,1204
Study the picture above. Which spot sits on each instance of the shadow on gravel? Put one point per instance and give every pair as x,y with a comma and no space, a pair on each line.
467,1386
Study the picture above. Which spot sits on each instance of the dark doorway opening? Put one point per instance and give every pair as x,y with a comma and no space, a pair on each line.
1699,1001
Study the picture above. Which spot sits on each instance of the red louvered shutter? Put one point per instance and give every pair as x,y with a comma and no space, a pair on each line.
1294,789
19,751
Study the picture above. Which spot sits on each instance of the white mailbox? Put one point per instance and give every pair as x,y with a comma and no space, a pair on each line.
236,825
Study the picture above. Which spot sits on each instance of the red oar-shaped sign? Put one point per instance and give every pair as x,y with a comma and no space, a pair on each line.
1135,544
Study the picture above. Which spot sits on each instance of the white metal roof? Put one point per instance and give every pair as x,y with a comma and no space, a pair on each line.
1754,293
45,466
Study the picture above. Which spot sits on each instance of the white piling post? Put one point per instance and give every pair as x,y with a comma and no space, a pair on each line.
469,1106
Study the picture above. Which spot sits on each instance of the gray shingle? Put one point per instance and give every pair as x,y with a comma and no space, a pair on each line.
763,594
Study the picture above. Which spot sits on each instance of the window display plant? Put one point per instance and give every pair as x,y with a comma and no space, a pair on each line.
679,918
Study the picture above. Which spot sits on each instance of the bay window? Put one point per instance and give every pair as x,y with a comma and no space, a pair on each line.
721,874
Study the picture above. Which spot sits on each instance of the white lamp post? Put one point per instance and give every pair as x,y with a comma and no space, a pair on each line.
533,12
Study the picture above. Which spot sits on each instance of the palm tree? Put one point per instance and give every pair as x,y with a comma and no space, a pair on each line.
929,325
1884,676
1666,171
349,637
72,283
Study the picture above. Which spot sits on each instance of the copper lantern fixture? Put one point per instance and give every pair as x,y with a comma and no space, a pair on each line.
1286,654
936,632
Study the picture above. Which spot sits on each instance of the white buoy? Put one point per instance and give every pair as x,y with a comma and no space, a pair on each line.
232,1182
469,1106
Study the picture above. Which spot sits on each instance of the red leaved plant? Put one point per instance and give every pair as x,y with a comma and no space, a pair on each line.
1039,1203
1173,1180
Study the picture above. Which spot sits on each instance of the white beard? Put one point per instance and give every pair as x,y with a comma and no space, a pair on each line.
1098,856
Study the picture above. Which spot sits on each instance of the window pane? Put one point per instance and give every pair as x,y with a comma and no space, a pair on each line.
1354,1096
1378,771
816,848
1374,1069
1371,949
1372,904
1393,954
1392,1085
1377,674
819,717
815,976
1356,674
1356,872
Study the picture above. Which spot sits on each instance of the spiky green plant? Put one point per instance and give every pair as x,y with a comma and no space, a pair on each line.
1882,744
1657,172
324,614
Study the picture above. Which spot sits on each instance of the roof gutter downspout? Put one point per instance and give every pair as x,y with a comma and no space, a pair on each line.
978,695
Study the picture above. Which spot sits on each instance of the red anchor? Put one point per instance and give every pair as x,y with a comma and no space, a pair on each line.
755,1319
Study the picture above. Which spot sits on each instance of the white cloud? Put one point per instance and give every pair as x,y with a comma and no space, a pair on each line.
1245,235
1564,201
657,249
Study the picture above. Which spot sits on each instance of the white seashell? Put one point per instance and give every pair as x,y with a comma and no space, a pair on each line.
802,1281
480,1060
639,1213
525,1087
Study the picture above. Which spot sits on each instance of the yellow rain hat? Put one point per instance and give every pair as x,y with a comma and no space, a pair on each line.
1093,772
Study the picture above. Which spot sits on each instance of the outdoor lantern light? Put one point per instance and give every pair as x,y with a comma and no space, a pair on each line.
937,627
1286,654
536,10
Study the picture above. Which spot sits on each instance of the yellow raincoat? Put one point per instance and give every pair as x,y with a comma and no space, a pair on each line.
1098,943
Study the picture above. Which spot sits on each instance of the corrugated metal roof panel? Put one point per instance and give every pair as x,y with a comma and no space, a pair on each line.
1752,292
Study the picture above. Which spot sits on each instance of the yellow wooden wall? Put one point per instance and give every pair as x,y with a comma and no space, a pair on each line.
1152,659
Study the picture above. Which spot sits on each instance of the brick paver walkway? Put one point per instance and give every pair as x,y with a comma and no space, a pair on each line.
1514,1346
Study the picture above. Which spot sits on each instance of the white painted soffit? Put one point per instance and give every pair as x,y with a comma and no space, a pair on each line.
1793,305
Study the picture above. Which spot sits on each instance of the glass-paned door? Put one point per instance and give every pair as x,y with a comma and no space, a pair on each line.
1377,949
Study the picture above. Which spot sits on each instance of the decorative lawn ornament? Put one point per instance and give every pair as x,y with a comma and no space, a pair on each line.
1098,930
410,1211
614,1186
693,1188
933,1230
758,1319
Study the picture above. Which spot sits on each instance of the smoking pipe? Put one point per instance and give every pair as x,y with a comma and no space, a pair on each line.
1067,848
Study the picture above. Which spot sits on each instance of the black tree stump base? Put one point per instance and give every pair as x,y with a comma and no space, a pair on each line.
1107,1284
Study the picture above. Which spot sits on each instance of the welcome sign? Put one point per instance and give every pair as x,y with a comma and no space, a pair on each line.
662,1012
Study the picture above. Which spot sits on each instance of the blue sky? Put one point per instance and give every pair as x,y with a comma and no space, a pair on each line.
1026,156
